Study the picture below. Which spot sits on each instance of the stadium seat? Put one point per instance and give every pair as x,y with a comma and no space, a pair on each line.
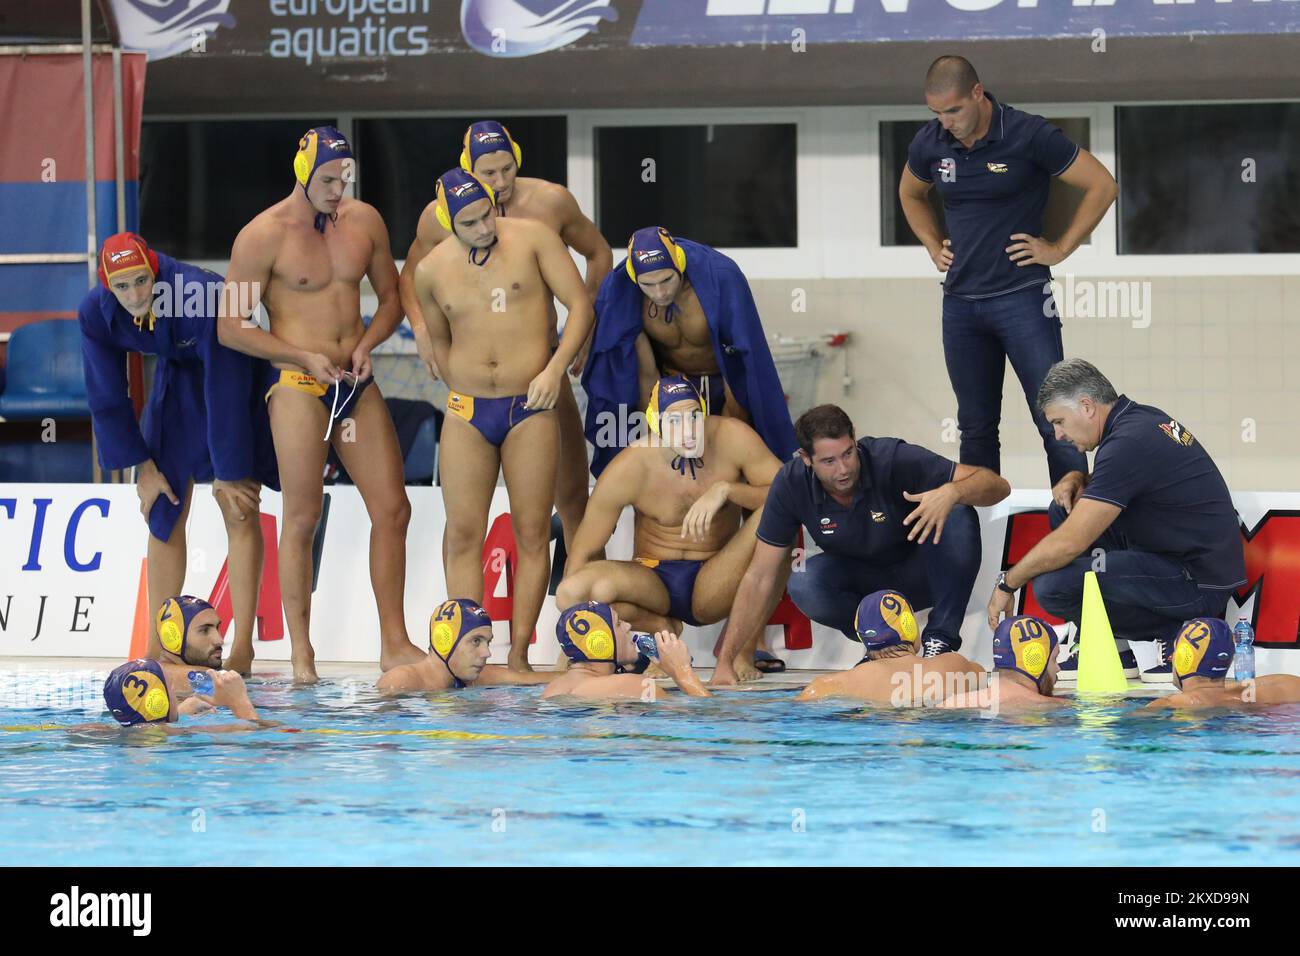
45,378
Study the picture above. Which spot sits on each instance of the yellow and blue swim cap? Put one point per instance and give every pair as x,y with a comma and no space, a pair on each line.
450,622
586,633
317,147
136,693
488,136
883,619
1204,648
651,249
1024,644
668,392
174,619
454,190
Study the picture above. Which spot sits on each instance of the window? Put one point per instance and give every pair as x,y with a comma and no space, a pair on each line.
1209,179
724,185
202,181
896,136
399,160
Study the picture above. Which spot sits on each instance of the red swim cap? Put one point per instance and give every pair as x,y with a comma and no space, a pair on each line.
125,251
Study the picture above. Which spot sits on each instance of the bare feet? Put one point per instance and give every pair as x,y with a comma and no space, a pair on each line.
240,661
304,667
402,653
723,676
743,665
519,663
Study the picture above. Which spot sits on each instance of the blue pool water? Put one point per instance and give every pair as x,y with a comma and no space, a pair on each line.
497,776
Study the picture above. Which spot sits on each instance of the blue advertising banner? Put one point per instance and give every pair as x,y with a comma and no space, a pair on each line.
745,22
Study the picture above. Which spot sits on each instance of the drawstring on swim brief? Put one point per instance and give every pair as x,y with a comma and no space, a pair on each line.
334,405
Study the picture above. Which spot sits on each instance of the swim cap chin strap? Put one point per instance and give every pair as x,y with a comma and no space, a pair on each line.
668,391
454,190
316,148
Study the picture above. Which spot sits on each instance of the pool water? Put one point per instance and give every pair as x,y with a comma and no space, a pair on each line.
498,776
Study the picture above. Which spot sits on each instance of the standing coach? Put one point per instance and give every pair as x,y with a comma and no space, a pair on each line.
992,165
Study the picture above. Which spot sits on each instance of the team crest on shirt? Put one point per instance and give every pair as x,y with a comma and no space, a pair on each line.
1178,433
996,167
878,517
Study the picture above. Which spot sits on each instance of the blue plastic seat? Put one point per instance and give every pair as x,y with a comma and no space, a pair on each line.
44,374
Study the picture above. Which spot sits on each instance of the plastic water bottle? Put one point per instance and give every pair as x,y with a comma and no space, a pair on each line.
201,682
1243,636
645,643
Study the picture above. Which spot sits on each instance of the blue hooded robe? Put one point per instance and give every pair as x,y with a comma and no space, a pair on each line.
611,379
204,417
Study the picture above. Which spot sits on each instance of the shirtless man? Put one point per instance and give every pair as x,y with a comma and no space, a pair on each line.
306,256
1024,670
681,308
460,636
491,154
892,672
676,339
687,482
486,301
137,694
599,644
189,632
1203,653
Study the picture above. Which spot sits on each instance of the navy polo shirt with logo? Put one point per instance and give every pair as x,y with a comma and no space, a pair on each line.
871,528
1176,503
996,188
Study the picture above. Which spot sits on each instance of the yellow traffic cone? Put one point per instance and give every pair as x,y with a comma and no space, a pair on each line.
1100,671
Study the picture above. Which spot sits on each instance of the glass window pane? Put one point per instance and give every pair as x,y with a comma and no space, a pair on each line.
732,186
202,181
399,160
1209,179
896,136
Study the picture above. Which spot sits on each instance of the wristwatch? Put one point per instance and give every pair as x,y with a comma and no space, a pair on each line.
1002,583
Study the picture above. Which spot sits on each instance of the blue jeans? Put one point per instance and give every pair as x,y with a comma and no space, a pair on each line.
939,576
979,335
1147,596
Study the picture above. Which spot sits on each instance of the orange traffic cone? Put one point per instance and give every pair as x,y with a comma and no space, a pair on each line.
140,628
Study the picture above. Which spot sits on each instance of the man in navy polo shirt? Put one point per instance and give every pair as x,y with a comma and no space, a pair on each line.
992,165
886,515
1154,519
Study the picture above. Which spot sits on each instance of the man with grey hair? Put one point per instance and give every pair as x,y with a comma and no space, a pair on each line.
1154,519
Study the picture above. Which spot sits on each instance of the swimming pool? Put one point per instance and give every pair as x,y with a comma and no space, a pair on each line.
496,776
